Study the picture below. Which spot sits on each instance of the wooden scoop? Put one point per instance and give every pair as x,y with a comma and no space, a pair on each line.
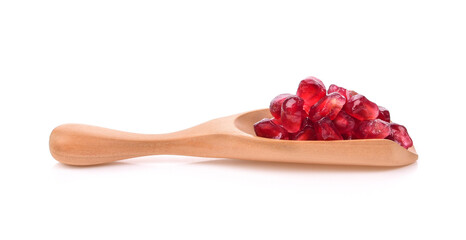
227,137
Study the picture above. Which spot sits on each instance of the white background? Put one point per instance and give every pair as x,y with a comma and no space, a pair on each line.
155,67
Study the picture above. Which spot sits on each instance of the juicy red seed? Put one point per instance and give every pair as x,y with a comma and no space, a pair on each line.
348,136
307,133
384,114
311,90
343,91
351,93
370,129
361,108
344,123
276,104
306,122
334,88
292,114
400,135
329,106
326,130
276,121
268,129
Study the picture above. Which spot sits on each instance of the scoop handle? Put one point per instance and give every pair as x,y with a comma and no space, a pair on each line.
77,144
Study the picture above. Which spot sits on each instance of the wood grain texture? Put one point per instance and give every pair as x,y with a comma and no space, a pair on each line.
228,137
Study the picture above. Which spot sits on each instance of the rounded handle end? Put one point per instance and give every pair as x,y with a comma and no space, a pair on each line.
83,145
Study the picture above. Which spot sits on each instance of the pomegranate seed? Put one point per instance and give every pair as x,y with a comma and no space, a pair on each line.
384,114
268,129
276,105
307,133
311,90
361,108
351,93
329,106
276,121
400,135
334,88
292,114
369,129
343,91
306,122
326,130
344,123
348,136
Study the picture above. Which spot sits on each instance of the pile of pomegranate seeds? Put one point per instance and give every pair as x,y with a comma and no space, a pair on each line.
315,113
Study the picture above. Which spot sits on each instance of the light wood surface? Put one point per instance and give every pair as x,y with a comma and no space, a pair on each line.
228,137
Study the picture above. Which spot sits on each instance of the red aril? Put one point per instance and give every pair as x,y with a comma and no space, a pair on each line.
351,93
348,136
384,114
372,129
343,91
344,123
326,130
268,129
400,135
311,90
276,105
307,133
334,88
292,114
361,108
329,106
276,121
